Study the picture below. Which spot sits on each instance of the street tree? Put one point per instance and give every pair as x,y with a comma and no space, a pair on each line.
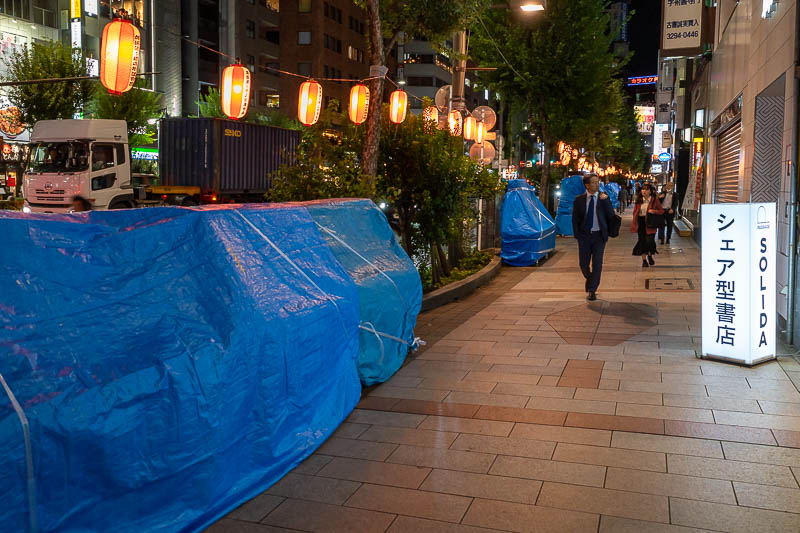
430,184
210,104
47,100
139,107
388,21
558,65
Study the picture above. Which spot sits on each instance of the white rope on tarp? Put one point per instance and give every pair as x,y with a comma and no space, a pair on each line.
296,267
370,263
368,326
26,433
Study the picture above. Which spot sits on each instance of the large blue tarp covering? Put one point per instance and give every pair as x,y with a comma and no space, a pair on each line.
612,190
171,362
527,229
571,187
389,288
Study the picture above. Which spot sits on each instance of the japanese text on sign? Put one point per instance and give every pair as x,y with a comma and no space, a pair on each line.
739,287
682,24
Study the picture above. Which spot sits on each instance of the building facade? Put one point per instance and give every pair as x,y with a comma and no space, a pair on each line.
738,122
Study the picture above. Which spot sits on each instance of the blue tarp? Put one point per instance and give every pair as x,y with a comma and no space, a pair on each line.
612,190
173,362
571,187
527,229
389,288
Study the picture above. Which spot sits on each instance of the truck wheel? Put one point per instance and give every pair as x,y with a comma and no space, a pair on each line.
121,204
189,201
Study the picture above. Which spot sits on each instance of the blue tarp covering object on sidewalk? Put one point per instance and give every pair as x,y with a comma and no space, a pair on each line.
172,363
612,190
527,229
389,287
571,187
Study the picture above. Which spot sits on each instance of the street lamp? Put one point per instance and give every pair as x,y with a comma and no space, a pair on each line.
532,6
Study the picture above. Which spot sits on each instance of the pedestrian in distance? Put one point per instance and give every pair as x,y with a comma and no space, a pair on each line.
623,199
647,217
670,201
591,214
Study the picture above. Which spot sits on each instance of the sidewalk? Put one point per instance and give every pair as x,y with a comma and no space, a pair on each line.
533,410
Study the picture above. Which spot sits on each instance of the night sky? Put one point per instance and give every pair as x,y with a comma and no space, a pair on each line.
644,30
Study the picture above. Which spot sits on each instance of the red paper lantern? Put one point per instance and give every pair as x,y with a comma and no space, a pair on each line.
359,103
470,125
480,132
431,117
454,121
397,106
119,56
310,103
235,92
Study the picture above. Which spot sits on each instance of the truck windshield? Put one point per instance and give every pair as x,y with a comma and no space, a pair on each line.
59,157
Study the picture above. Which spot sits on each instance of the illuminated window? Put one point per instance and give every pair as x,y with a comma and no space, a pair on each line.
304,6
304,37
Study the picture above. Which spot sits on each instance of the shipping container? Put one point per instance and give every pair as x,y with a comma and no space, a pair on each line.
223,157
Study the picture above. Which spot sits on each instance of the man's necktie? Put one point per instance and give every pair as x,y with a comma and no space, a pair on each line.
589,220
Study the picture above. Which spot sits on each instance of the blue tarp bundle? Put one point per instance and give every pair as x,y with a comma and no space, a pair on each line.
527,229
171,362
389,288
612,190
571,187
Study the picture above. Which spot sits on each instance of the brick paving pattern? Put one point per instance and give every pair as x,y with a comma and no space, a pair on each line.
532,410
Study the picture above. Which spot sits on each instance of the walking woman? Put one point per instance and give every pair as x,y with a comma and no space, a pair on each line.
647,216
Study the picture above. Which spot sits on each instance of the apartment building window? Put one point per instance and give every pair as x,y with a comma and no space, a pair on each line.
333,12
304,6
338,46
250,29
304,69
352,53
272,36
269,99
271,68
272,5
326,71
303,37
251,63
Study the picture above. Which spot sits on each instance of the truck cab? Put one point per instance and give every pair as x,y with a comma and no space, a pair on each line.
68,158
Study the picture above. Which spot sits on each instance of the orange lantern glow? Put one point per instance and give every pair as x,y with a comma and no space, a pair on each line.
119,56
454,121
480,132
359,103
431,117
397,106
470,125
234,94
310,103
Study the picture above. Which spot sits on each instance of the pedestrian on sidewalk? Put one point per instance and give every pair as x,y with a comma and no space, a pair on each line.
670,202
623,199
591,213
647,209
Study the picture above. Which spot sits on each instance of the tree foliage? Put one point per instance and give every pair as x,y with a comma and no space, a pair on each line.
326,165
562,69
210,106
47,101
427,179
138,107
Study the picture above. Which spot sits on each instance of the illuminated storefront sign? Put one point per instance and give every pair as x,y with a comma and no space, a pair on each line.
738,282
75,33
147,154
642,80
682,25
645,116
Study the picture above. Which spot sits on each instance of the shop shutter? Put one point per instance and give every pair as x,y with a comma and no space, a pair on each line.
726,179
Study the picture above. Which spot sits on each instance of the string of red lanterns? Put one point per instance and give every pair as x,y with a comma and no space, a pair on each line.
119,62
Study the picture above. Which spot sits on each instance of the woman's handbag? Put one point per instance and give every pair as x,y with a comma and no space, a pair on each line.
654,221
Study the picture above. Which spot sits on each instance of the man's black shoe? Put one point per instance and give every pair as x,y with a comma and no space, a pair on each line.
661,241
592,296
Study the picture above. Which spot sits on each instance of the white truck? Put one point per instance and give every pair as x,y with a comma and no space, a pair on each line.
68,158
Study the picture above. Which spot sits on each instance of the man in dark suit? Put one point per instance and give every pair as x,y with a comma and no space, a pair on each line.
670,201
591,213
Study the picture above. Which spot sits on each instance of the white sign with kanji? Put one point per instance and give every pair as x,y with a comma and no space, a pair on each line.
739,244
